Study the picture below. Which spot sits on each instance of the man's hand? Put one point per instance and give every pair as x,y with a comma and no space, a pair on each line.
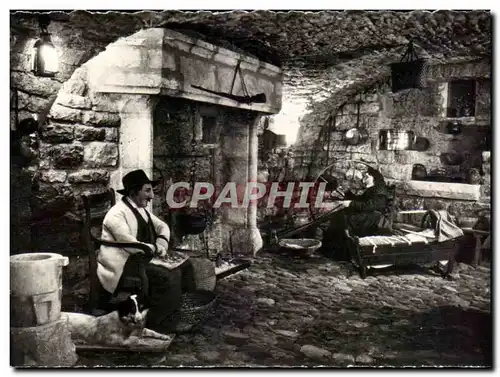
160,250
151,246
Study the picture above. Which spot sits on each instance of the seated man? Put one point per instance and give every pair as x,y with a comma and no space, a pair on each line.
129,221
362,215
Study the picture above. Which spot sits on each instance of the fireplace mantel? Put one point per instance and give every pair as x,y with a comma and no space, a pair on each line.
159,61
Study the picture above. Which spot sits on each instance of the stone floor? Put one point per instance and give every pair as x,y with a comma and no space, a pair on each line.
316,312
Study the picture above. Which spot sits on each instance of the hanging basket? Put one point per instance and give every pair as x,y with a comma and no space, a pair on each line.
408,73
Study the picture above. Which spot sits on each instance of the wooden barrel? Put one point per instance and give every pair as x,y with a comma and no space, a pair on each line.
35,288
204,273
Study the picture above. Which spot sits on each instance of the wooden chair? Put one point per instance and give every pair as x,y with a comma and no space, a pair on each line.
389,213
96,207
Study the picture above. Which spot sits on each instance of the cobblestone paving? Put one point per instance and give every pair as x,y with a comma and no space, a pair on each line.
316,312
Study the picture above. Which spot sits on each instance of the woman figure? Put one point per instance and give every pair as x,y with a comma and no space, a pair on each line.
361,216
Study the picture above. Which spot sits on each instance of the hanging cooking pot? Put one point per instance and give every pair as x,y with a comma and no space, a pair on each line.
192,223
355,136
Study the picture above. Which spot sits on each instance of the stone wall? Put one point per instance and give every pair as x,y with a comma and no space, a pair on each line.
42,187
417,110
78,152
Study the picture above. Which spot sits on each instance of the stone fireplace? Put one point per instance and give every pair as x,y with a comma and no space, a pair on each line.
200,142
134,107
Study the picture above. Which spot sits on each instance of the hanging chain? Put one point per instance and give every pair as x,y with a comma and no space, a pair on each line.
193,157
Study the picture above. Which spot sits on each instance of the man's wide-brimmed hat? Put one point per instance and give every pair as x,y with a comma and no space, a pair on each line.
133,179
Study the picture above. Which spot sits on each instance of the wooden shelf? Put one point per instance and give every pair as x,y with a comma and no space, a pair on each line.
469,121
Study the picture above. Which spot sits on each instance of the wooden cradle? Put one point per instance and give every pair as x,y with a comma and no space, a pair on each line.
398,249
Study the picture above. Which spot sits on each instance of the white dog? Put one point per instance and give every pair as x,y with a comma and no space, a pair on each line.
122,327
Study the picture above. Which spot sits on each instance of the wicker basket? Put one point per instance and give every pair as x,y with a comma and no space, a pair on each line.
196,308
204,274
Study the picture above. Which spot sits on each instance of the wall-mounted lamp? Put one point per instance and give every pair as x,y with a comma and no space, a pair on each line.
44,61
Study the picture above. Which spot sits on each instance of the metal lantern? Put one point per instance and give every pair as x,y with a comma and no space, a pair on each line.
44,60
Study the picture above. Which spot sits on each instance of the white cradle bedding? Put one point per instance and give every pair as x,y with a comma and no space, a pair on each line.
409,239
412,238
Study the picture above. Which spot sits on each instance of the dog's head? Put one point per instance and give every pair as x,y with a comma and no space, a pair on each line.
131,312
